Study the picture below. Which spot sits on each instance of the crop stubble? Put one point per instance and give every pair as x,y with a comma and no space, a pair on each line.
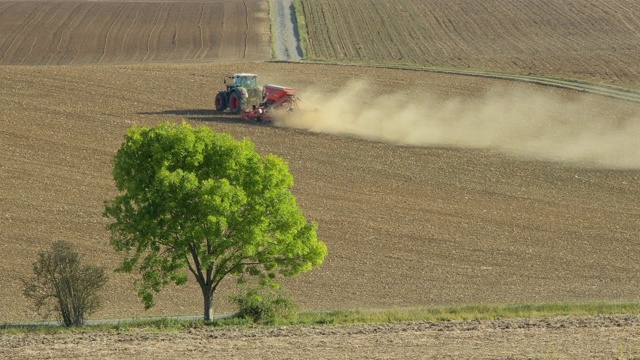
604,337
82,32
589,40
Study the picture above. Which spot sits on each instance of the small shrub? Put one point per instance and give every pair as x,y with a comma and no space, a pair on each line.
263,306
62,285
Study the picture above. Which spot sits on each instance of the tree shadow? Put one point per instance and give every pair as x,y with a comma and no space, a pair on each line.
208,115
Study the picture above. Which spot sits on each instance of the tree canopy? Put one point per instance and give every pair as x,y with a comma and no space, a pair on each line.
196,201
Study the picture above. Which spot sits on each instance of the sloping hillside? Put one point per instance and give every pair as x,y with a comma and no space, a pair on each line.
103,32
591,40
405,225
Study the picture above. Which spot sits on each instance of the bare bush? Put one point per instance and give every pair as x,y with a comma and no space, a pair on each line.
63,286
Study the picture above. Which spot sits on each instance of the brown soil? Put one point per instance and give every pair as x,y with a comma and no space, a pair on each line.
405,226
611,337
581,39
89,32
431,223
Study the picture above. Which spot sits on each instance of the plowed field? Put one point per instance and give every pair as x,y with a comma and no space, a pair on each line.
429,189
591,40
405,225
81,32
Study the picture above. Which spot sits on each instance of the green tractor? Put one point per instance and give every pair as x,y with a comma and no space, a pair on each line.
242,93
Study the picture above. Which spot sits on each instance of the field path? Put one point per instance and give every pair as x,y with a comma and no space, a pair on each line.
604,337
286,31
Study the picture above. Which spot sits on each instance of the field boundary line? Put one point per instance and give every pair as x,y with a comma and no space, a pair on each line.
35,40
126,33
37,13
106,37
201,32
611,91
246,28
155,25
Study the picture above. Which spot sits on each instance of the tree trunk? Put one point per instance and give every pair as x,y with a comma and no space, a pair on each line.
207,294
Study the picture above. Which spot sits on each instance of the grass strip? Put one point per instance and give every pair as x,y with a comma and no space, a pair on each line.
301,22
599,89
370,316
272,20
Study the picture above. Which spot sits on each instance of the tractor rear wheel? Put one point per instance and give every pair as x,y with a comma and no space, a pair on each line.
221,101
235,102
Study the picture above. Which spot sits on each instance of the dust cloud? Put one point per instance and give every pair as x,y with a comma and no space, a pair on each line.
522,122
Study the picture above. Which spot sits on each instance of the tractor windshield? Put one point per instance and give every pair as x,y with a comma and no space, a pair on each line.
247,82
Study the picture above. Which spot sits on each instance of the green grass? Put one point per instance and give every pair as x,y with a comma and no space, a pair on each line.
470,312
272,19
349,317
302,27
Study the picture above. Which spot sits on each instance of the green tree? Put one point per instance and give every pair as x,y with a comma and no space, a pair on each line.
196,201
61,284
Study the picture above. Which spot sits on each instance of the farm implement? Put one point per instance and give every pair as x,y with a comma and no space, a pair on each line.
244,96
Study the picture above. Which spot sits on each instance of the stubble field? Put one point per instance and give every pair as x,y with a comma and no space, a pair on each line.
496,213
588,40
106,32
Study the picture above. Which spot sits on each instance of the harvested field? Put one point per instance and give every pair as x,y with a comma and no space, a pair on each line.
607,337
87,32
590,40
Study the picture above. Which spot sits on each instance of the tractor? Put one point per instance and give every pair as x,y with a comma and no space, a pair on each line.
242,93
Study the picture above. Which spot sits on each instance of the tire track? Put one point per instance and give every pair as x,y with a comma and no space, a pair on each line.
155,25
287,39
174,39
88,22
126,34
21,31
246,28
75,15
201,34
106,37
35,40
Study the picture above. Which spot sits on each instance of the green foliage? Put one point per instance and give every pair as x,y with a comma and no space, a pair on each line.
63,286
301,20
264,305
346,317
192,200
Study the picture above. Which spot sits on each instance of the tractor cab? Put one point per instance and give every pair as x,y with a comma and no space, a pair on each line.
249,81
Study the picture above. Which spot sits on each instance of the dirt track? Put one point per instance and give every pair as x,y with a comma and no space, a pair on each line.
616,337
285,31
